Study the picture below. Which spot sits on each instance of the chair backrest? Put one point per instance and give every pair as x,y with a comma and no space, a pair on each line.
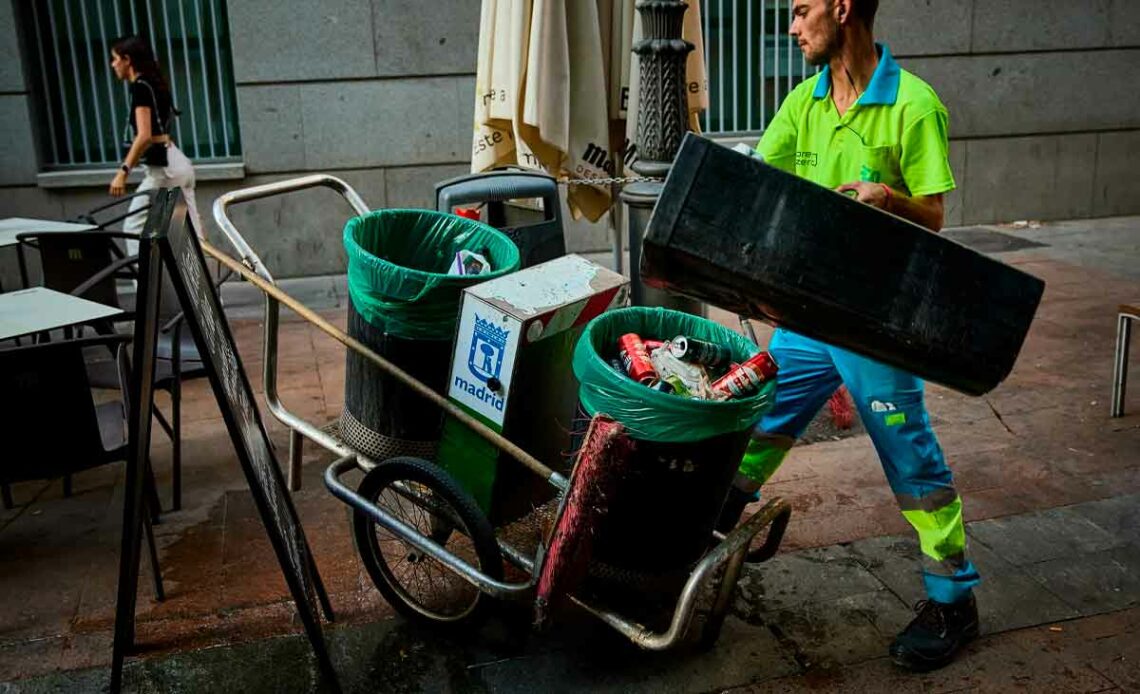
68,259
115,211
48,418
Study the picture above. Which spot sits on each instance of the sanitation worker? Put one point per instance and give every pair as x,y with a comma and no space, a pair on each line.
868,128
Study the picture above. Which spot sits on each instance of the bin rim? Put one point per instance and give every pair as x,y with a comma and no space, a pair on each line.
666,398
358,252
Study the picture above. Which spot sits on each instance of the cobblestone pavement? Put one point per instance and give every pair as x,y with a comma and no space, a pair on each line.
1050,484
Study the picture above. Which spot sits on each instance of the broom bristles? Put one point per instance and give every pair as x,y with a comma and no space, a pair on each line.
593,482
842,408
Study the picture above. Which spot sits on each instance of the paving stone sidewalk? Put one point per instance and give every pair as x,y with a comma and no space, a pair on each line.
1060,608
1049,485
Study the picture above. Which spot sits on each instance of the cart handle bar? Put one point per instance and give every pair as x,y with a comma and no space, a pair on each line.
492,437
222,204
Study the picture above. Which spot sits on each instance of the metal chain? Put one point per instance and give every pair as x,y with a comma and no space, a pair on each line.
620,180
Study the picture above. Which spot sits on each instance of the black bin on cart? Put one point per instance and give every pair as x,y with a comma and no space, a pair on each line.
686,452
404,306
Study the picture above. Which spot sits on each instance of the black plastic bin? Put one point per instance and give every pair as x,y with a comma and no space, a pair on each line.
404,306
737,233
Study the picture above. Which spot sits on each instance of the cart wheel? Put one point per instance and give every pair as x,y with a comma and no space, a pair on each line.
420,587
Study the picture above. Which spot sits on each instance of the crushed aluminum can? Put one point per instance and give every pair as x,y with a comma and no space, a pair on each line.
635,359
745,379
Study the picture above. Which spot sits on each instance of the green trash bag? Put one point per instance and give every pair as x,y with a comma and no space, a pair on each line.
398,262
648,414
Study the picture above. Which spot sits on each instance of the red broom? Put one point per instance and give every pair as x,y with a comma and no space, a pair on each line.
599,467
842,408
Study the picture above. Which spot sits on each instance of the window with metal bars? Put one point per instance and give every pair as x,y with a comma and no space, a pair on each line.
752,63
81,108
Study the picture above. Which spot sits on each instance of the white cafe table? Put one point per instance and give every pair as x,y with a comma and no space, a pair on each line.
13,226
30,311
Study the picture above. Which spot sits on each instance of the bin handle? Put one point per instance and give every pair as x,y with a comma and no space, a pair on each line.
222,204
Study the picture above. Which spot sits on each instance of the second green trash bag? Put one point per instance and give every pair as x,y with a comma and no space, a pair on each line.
685,452
404,306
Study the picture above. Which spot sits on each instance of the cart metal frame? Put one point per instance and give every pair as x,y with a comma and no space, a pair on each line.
730,551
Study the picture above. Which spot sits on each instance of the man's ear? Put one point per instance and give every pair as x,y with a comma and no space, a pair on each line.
842,10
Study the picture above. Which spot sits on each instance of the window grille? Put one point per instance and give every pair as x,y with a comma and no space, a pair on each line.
752,63
82,109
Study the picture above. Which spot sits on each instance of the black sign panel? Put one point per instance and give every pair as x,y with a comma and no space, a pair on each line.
182,256
139,390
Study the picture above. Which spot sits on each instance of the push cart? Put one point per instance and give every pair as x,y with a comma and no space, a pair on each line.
428,547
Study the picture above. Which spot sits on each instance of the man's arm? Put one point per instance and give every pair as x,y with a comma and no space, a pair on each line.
925,167
778,144
924,210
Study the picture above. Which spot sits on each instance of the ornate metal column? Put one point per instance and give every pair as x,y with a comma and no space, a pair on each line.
662,120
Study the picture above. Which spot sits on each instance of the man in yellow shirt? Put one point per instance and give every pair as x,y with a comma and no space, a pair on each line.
866,127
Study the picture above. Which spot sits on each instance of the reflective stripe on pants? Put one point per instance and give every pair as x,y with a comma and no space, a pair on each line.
892,409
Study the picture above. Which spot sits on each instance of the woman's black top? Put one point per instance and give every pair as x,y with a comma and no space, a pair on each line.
145,94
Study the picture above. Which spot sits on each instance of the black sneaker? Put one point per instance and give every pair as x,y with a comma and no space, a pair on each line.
936,634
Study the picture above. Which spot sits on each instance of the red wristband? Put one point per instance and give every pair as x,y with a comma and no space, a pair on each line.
890,194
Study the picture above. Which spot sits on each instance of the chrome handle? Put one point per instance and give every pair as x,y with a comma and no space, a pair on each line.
222,205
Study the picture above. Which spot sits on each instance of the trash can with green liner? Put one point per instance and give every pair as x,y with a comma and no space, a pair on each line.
404,306
686,451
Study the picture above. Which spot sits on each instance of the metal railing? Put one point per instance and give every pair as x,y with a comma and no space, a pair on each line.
81,107
752,63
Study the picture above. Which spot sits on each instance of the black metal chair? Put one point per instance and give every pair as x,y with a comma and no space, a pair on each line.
53,426
86,264
118,210
176,359
71,259
90,264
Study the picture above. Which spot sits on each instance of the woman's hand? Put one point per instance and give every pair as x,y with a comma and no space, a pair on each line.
119,184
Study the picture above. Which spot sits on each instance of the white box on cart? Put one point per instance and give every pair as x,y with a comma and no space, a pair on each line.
511,368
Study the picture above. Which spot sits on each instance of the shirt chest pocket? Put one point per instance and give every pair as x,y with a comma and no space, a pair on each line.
881,165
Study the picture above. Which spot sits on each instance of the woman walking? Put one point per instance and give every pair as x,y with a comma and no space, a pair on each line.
133,60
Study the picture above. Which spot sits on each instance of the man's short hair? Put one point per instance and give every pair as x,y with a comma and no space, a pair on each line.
865,10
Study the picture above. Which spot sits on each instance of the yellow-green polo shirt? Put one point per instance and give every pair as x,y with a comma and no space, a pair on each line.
895,133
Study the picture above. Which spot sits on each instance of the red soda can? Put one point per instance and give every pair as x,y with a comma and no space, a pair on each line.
697,351
746,379
651,345
635,359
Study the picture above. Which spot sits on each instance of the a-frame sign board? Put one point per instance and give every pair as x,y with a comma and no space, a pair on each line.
169,245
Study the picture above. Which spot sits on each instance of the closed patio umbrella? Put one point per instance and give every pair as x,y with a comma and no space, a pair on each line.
551,82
